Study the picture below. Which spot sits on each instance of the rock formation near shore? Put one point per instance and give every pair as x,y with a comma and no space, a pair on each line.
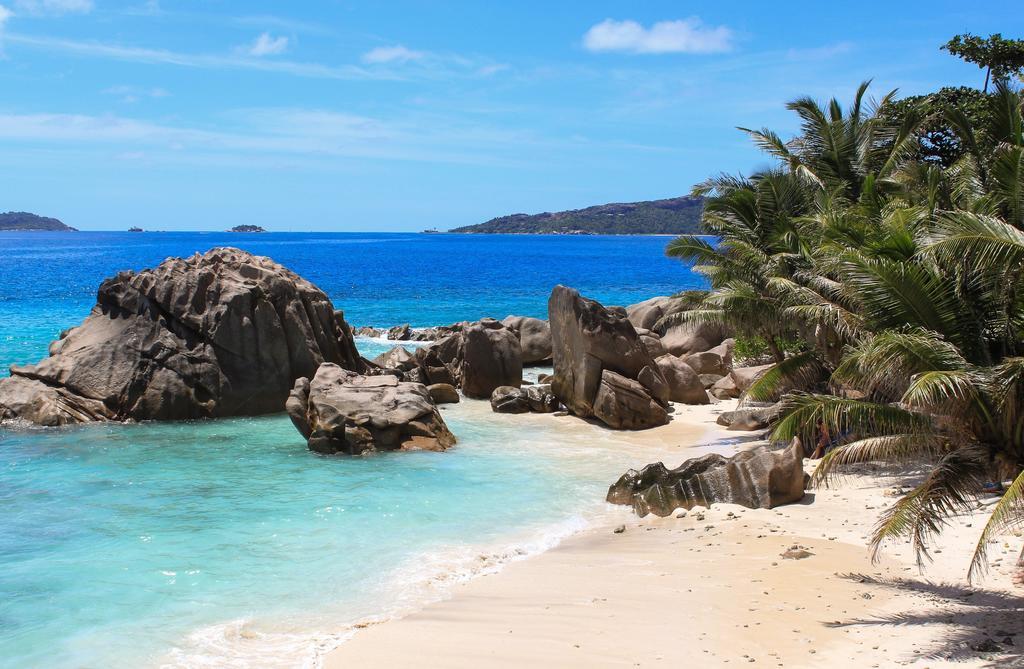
225,333
758,478
491,357
340,411
602,368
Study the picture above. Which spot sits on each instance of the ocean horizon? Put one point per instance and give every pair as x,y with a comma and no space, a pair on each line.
227,542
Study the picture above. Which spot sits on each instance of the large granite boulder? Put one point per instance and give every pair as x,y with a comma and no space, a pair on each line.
602,368
443,393
225,333
534,337
441,362
340,411
693,337
684,384
707,362
758,478
624,404
491,358
645,315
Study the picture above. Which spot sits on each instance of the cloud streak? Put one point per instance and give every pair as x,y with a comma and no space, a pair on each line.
683,36
392,54
53,7
206,61
266,45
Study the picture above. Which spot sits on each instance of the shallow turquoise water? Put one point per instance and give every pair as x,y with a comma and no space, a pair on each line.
221,543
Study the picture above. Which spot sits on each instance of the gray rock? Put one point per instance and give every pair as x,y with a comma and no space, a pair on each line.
491,358
443,393
509,399
707,362
602,369
708,380
725,388
757,478
684,384
652,342
397,358
624,404
400,333
225,333
534,337
743,377
749,419
646,314
344,412
541,399
693,337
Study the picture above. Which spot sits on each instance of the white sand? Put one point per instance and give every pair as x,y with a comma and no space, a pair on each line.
713,589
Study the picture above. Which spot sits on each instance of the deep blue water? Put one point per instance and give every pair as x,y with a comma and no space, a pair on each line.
227,543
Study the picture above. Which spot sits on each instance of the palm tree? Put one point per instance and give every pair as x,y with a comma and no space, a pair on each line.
911,280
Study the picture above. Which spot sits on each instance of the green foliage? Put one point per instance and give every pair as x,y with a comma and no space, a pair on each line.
20,220
754,347
938,141
885,255
1000,58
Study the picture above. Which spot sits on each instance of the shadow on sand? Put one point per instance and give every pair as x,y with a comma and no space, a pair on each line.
979,623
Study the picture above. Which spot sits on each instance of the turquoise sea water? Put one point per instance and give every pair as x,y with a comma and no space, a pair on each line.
227,543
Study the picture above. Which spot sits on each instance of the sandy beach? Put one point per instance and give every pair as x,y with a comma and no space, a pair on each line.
714,586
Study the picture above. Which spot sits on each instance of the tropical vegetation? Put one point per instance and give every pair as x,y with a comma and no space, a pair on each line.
888,240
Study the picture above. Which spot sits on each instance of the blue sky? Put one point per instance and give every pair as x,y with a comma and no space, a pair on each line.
335,115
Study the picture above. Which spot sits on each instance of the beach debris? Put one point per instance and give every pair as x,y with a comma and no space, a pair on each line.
756,478
796,552
620,529
987,645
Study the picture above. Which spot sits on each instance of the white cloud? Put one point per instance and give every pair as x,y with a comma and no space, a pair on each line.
53,7
683,36
265,45
391,54
132,94
4,15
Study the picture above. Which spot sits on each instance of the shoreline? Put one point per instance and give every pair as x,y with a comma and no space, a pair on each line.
714,585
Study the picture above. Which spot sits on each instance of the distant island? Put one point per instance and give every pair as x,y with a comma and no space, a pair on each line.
247,228
22,221
135,228
675,216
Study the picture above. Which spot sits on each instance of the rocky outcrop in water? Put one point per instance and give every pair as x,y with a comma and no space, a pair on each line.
537,398
758,478
491,357
534,337
339,411
602,368
225,333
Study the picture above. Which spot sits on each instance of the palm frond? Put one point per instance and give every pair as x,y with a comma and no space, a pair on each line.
950,488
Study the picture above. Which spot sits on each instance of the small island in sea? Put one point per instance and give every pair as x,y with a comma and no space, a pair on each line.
23,221
247,228
674,216
135,228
